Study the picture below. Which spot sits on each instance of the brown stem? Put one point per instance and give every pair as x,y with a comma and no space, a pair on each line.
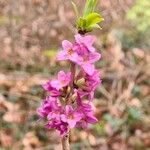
65,142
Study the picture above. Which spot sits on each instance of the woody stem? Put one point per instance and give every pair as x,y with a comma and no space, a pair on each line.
65,142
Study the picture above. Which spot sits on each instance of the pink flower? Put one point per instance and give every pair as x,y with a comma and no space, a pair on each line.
57,124
86,61
91,82
85,109
85,42
81,52
87,115
68,53
63,79
55,113
53,91
47,106
86,53
88,118
72,88
71,116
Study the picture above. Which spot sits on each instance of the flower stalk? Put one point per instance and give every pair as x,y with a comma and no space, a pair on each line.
65,142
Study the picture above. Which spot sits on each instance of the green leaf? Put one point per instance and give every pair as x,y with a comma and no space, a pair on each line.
75,9
94,5
93,18
89,7
81,23
95,26
90,19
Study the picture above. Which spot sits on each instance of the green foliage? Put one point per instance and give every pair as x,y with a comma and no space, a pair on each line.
90,19
139,14
134,115
89,7
89,22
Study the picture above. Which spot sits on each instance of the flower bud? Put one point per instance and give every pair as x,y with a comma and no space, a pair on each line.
68,89
63,99
62,90
73,97
80,82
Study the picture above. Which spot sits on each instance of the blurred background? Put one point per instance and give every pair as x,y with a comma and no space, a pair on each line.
31,32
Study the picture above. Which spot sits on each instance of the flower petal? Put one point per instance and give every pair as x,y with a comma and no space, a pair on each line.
61,75
63,118
71,123
91,118
55,84
66,45
62,55
93,57
69,109
88,68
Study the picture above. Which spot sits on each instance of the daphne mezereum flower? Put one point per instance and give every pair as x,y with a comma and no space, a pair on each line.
86,42
86,53
53,91
89,85
47,106
63,79
69,103
67,53
57,124
85,109
71,116
81,52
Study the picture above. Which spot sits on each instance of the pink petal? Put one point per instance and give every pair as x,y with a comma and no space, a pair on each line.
74,57
55,84
91,49
61,55
63,118
47,86
77,116
66,45
91,95
69,109
93,57
61,75
68,76
84,124
71,123
78,38
89,40
88,68
91,119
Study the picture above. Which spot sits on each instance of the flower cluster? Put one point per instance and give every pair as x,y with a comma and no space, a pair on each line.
69,103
